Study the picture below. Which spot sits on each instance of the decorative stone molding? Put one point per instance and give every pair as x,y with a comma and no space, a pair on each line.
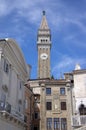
12,119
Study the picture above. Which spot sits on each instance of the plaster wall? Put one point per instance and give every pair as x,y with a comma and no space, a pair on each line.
80,89
6,125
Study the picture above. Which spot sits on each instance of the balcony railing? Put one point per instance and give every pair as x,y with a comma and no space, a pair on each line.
5,106
78,120
17,114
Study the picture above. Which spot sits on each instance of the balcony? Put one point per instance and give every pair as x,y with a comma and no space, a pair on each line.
5,106
81,128
78,121
8,113
17,114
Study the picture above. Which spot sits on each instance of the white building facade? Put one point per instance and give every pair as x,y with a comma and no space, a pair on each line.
13,75
80,89
78,95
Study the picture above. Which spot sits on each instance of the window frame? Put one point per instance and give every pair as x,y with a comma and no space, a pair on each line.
62,91
6,66
48,91
48,105
36,115
56,123
63,105
49,123
82,109
63,124
26,103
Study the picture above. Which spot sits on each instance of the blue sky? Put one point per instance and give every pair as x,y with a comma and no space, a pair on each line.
20,20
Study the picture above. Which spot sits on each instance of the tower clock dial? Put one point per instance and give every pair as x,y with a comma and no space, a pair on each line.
43,56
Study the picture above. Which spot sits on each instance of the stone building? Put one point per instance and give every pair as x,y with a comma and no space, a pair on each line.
29,106
13,75
78,97
53,102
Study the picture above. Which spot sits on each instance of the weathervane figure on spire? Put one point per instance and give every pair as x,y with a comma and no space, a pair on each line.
43,12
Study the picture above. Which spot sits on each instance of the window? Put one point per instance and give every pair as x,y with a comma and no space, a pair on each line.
36,128
63,105
6,66
82,110
48,105
19,109
62,91
63,124
48,91
49,123
3,97
20,85
56,124
36,115
26,103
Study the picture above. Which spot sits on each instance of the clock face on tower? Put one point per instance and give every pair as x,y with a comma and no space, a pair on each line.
43,56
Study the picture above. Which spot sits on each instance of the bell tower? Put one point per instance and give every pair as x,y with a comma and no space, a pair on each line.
44,46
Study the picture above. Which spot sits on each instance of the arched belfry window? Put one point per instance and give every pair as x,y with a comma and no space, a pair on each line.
82,109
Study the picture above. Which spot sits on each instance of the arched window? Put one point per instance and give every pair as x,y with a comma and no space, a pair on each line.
82,109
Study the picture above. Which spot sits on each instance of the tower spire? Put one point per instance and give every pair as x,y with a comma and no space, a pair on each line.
44,24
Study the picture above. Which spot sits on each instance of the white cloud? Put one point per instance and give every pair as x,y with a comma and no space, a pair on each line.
67,64
70,37
4,10
58,12
77,22
59,15
7,6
